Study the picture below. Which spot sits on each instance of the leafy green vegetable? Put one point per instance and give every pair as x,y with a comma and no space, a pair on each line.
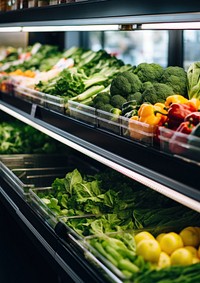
118,202
38,59
16,137
193,80
175,274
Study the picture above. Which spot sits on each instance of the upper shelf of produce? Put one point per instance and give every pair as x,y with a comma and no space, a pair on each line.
170,175
105,12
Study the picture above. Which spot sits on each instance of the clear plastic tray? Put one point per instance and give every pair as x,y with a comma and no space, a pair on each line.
80,220
55,103
49,101
7,87
82,112
29,94
114,269
23,172
39,205
108,121
138,131
179,144
14,161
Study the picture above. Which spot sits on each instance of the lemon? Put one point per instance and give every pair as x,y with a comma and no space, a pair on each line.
181,257
164,260
149,249
198,252
190,236
198,230
170,242
144,235
192,249
195,260
159,237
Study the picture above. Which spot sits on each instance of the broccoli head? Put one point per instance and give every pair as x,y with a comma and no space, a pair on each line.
156,92
150,72
106,107
117,101
176,78
137,96
125,83
103,97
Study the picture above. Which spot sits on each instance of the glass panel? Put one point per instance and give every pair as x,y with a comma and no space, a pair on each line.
134,47
191,47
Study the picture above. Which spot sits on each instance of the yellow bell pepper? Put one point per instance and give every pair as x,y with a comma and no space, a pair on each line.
144,126
152,114
140,131
194,102
176,98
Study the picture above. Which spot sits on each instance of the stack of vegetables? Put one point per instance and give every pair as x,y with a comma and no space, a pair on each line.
144,94
143,83
142,257
92,73
33,57
113,210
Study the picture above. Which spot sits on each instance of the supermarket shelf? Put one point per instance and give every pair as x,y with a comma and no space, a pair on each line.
166,174
108,12
70,266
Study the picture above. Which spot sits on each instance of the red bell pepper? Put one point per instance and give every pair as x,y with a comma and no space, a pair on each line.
179,139
177,113
194,117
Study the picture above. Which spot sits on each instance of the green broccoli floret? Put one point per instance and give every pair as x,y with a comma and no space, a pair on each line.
176,78
146,85
125,83
137,96
151,72
102,97
106,107
156,92
117,101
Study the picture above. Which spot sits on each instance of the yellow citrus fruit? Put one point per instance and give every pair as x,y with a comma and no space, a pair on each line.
159,237
190,236
181,257
192,249
198,230
170,242
164,260
144,235
198,252
149,249
195,260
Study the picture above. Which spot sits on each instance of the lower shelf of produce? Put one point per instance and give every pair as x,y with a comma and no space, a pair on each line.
97,225
73,267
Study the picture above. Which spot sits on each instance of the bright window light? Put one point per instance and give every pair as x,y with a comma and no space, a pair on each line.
10,29
70,28
188,25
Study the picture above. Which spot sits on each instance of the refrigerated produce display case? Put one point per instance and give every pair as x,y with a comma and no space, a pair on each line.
97,142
